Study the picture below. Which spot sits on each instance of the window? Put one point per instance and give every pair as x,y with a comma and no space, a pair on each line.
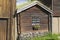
35,22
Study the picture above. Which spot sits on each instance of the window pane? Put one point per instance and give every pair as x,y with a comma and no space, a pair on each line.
33,23
35,20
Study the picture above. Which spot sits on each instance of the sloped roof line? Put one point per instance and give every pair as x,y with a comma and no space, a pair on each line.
44,7
32,4
26,7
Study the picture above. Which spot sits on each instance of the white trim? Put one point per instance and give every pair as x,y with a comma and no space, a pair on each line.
32,4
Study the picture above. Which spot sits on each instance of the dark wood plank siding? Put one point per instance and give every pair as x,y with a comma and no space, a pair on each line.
56,7
26,19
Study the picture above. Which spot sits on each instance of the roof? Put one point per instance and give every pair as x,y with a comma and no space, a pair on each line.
33,4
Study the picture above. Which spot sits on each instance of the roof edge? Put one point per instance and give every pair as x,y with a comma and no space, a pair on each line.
35,3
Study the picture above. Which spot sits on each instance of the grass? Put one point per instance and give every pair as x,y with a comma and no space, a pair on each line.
47,37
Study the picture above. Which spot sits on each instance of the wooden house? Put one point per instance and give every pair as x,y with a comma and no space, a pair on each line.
34,14
25,19
7,9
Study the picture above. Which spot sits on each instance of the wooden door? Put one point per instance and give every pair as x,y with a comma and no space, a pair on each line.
56,25
3,29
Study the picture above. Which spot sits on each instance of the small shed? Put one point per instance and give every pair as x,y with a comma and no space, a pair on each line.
34,17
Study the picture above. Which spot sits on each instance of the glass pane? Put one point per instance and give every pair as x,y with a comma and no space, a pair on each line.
38,21
35,20
33,23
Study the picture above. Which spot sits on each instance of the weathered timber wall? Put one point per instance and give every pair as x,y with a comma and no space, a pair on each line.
26,20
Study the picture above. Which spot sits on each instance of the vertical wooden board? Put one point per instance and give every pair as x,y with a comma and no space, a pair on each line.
12,11
4,8
59,24
55,25
15,28
0,2
0,11
3,26
0,8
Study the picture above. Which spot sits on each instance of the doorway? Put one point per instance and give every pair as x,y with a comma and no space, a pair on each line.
3,28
